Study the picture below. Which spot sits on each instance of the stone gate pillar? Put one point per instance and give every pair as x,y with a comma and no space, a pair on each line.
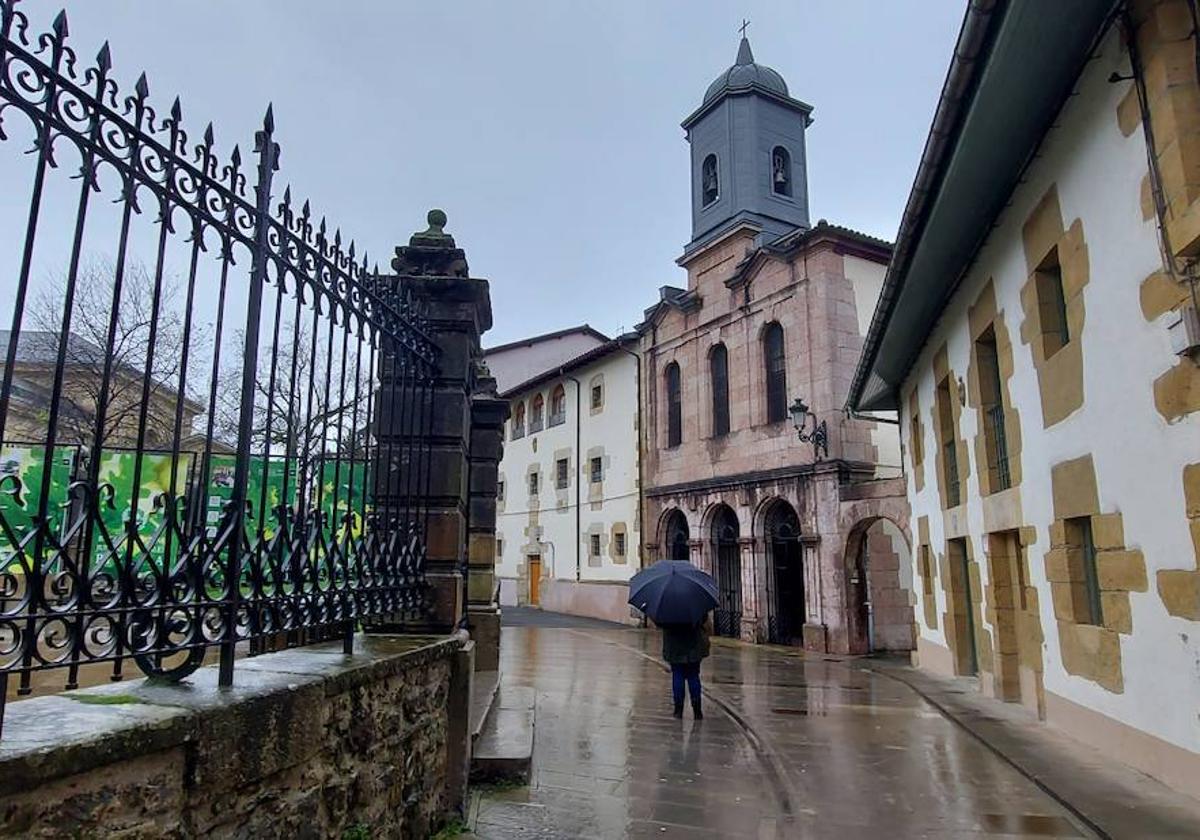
457,310
488,413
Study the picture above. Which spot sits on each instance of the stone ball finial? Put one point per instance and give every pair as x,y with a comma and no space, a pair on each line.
437,220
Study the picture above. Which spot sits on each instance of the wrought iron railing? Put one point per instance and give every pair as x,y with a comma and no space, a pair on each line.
995,420
226,443
953,486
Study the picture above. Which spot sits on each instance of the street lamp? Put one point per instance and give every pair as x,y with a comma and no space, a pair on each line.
819,436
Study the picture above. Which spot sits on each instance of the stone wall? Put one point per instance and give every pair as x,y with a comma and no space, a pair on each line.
308,743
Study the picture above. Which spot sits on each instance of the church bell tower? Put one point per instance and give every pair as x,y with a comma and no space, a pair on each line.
748,156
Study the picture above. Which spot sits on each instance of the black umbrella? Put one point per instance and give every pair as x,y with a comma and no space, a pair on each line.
673,592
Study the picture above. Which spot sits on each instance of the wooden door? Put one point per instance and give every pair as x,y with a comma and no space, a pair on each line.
535,579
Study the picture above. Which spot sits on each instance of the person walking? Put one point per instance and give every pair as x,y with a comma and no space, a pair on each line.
684,647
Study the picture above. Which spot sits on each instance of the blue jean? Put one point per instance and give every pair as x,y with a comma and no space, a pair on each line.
690,672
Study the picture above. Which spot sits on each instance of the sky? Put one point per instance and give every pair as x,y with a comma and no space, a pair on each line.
548,131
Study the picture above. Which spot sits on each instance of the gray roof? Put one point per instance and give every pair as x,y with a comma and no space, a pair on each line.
1014,65
40,347
746,74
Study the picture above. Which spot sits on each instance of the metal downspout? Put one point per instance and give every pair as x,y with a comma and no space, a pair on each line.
578,473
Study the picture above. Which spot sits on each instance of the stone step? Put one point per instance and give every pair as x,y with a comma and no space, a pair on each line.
504,750
483,696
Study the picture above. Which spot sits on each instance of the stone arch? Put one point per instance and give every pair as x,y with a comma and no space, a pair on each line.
723,532
878,565
786,605
674,535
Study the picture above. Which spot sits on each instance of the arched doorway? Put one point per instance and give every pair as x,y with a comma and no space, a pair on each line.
676,538
785,575
879,584
727,568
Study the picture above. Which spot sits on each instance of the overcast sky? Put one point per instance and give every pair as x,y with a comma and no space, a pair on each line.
548,131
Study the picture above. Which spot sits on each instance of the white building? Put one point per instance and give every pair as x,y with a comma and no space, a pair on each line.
1033,331
567,527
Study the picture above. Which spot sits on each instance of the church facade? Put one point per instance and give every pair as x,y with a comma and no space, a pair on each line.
805,529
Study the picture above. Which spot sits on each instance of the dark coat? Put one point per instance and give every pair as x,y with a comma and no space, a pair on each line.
683,644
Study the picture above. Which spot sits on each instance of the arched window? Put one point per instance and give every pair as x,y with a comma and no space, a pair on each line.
535,418
710,186
781,171
776,371
518,421
676,537
674,407
718,362
558,406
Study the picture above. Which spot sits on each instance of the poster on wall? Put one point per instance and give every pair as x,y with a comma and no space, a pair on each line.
155,486
342,491
22,470
261,511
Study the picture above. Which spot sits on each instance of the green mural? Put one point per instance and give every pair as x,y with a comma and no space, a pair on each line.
343,485
22,470
220,492
117,468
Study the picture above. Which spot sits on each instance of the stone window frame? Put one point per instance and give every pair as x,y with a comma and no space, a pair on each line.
775,402
916,436
719,388
533,481
595,545
998,418
596,394
558,406
596,469
946,433
673,396
620,543
518,421
562,473
537,413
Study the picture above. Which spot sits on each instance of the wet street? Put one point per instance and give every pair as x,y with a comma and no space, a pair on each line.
791,746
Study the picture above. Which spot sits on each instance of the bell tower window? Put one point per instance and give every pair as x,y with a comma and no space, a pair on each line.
709,183
781,171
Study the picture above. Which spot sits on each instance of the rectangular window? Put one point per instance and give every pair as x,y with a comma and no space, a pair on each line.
1052,305
595,545
597,396
499,548
533,484
914,430
619,543
500,491
992,408
597,470
719,363
1081,565
561,474
948,443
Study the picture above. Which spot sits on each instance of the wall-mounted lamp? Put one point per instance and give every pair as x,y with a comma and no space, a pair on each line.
819,436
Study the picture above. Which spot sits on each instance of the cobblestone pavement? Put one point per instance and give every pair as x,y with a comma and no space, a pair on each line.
791,746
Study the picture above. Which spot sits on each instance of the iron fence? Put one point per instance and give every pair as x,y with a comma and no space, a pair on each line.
248,411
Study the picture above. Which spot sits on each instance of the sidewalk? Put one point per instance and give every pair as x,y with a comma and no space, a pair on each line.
1112,799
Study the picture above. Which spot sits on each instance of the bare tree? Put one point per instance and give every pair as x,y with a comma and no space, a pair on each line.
87,340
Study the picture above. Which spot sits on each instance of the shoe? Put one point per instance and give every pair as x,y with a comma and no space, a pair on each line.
696,713
678,710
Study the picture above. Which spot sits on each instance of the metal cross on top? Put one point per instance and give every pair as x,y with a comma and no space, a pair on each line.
745,23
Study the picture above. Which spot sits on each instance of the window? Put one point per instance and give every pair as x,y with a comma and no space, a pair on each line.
561,478
674,407
535,416
992,407
499,547
597,396
595,545
1052,305
781,171
776,370
949,446
518,421
719,368
1081,566
558,406
709,185
597,470
915,432
619,543
500,491
533,484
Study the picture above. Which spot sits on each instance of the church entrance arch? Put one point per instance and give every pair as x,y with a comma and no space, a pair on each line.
676,537
727,566
785,575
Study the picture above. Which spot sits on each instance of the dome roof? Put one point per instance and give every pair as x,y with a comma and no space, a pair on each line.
746,74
